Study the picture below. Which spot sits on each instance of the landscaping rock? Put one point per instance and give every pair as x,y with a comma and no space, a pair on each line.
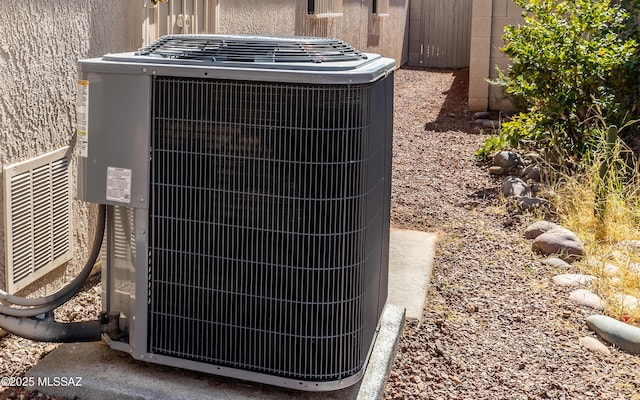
496,170
557,263
629,244
587,298
572,279
513,186
594,344
531,172
538,228
537,188
482,115
507,159
611,269
608,268
620,334
532,203
560,241
627,302
491,124
480,121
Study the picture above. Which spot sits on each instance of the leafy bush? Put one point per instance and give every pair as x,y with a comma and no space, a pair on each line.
491,145
571,61
575,77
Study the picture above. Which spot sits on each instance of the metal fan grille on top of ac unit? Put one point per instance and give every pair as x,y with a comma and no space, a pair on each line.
214,48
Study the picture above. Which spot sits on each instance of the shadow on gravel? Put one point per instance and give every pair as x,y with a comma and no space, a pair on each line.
486,193
454,113
480,198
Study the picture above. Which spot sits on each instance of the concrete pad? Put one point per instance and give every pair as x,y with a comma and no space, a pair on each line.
410,262
106,373
103,373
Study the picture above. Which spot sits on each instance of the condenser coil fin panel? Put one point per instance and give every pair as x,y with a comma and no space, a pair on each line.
257,242
259,224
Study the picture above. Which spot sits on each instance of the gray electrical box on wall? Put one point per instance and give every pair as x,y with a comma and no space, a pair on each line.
249,182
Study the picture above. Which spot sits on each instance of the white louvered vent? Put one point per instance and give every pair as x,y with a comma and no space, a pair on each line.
324,8
37,200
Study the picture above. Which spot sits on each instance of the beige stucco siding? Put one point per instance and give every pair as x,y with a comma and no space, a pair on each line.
40,44
357,25
42,40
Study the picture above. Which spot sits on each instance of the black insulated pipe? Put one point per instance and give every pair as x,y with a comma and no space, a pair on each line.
21,321
43,305
49,330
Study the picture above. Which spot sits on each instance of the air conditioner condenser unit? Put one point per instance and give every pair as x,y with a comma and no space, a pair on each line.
248,186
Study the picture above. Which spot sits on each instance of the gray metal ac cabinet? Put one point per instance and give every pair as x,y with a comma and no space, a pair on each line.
248,182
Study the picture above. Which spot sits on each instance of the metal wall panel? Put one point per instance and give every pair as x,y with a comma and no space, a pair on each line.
117,140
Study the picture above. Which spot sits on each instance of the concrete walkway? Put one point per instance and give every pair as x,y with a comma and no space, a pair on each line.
410,262
109,374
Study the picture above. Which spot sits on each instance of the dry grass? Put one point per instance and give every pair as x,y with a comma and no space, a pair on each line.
617,266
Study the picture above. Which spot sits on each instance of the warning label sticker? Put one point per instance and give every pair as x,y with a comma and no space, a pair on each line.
82,119
119,185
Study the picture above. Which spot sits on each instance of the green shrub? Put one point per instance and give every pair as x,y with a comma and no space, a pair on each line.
491,145
572,61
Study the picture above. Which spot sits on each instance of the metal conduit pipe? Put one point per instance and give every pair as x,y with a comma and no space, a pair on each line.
70,289
18,321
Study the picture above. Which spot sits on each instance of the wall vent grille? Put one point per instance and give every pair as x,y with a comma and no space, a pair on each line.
37,199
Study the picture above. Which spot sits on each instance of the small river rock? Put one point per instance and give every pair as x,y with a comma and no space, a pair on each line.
573,279
514,186
587,298
628,302
594,344
507,159
532,203
538,228
560,241
557,263
625,336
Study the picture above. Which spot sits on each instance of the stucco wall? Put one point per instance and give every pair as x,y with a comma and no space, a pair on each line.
42,40
40,44
487,27
358,26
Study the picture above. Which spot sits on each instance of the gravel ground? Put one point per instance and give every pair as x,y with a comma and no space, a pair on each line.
18,355
494,327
